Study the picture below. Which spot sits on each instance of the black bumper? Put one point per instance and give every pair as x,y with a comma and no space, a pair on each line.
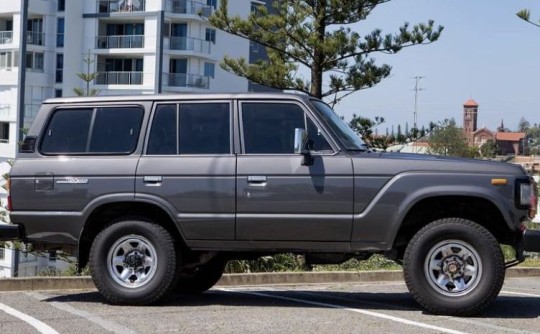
9,232
532,240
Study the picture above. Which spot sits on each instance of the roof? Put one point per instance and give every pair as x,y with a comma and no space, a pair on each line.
168,97
484,129
510,136
470,103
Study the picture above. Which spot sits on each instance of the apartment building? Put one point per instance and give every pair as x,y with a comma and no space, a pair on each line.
135,46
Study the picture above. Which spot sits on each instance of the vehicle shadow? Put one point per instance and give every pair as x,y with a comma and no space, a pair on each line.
504,307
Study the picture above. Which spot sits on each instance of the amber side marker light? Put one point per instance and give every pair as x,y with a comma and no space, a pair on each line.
499,182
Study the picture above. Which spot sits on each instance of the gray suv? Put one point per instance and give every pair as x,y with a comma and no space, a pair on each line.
156,193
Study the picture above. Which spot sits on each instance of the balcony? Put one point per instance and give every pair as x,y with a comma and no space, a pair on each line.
190,44
120,6
187,80
6,37
191,8
119,78
35,38
120,42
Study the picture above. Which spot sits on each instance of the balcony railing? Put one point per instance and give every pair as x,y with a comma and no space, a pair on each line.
119,6
120,42
187,80
6,37
190,44
35,38
191,7
119,78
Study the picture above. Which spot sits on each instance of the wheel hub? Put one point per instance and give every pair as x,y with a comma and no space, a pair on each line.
453,266
134,260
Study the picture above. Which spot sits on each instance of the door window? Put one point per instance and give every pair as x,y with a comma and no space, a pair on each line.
268,128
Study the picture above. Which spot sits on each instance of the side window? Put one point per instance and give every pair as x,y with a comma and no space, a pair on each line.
116,130
268,128
93,131
67,132
192,128
163,138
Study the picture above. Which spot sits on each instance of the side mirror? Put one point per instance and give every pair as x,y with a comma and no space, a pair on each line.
301,146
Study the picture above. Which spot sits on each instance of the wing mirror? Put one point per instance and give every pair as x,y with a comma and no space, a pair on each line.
301,146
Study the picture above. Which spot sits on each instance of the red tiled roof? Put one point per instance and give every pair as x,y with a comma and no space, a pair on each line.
510,136
470,103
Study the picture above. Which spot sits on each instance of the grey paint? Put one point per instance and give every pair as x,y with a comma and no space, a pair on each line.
344,202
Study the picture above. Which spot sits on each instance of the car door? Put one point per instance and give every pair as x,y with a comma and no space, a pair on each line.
280,199
189,169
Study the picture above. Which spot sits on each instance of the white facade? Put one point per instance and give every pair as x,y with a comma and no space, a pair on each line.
123,40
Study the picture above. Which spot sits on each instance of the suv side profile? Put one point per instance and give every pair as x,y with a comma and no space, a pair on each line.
156,193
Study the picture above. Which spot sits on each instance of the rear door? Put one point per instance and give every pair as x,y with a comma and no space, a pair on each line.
189,168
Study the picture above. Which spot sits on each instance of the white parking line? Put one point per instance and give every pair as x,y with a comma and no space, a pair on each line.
40,326
106,324
349,309
520,294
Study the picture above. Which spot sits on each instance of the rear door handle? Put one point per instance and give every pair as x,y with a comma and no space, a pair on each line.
257,180
153,179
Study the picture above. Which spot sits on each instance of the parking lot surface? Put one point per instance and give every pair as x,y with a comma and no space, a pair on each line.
317,308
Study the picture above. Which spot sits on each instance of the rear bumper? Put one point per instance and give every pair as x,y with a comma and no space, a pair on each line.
532,240
9,232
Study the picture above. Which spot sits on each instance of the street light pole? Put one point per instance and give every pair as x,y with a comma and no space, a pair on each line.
415,114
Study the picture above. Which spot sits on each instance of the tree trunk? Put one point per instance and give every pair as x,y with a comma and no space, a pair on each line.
318,55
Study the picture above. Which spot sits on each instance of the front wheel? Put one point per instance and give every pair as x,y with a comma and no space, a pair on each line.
454,266
133,262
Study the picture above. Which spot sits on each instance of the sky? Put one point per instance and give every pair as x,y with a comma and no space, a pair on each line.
485,53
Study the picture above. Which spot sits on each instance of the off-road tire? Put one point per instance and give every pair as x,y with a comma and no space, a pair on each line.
202,278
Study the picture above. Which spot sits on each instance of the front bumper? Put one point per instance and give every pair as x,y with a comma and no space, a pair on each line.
10,232
531,239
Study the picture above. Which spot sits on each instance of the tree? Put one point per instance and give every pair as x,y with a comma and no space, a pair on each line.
315,35
489,149
448,139
523,125
525,15
87,77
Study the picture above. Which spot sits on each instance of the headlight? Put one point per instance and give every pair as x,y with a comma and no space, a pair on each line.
527,196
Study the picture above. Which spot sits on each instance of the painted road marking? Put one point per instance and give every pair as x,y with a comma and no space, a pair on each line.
40,326
108,325
349,309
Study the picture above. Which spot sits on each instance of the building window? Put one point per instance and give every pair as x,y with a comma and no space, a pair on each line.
60,32
4,132
2,254
61,5
210,35
57,93
209,70
34,61
59,77
52,256
5,61
212,3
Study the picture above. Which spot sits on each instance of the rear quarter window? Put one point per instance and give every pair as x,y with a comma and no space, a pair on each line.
93,131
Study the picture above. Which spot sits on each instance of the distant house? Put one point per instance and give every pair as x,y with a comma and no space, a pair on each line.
511,142
481,136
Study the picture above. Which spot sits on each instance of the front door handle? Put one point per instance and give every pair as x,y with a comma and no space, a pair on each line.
153,180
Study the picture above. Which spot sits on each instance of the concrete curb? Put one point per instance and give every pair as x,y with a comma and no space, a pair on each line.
85,282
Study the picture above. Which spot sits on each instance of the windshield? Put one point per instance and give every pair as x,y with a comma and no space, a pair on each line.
346,135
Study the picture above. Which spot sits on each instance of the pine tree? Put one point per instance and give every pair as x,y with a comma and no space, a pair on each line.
316,35
87,77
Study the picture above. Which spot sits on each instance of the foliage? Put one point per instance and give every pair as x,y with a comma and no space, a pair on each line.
316,36
523,125
525,15
489,149
364,126
448,139
87,77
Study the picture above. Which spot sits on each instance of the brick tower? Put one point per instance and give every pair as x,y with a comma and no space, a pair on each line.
470,117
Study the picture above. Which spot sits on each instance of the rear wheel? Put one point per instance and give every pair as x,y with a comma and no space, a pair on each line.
201,278
133,261
454,266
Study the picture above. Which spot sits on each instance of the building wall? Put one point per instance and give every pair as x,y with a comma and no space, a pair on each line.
84,22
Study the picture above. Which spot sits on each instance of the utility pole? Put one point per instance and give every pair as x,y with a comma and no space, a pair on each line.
415,111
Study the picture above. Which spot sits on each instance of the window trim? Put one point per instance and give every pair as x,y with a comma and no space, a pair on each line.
94,109
178,104
307,113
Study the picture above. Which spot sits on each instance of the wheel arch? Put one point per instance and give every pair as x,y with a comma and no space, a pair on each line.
105,213
477,209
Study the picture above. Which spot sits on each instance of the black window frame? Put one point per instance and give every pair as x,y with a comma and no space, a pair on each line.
307,117
94,111
178,106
